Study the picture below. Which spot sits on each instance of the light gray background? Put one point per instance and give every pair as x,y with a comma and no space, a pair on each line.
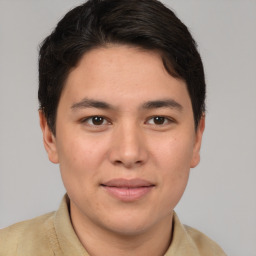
220,198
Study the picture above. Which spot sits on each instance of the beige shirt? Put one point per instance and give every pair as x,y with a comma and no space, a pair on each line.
53,234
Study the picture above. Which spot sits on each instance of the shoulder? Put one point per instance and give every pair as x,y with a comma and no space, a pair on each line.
26,235
203,243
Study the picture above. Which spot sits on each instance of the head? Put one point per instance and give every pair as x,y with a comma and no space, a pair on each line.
122,100
145,24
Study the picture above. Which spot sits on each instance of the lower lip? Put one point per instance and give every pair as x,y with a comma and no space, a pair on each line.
128,194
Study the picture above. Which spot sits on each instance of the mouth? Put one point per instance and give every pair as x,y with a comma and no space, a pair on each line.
128,190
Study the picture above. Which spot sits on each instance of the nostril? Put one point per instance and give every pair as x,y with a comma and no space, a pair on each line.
128,164
118,162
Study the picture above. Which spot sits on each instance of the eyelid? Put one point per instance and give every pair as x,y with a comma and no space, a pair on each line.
106,121
86,119
168,119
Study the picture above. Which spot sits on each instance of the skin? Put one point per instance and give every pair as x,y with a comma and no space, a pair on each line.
128,143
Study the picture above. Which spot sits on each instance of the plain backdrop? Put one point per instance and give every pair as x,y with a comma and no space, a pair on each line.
220,199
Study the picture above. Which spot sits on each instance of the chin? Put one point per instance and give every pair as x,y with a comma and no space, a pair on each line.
130,224
128,228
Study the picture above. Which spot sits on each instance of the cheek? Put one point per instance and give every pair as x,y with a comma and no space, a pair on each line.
175,154
174,157
80,151
79,159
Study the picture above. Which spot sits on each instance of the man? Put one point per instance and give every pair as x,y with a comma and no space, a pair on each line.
121,92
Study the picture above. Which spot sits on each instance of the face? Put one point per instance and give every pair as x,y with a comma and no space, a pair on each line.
125,139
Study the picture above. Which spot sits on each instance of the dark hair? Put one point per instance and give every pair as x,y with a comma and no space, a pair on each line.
144,23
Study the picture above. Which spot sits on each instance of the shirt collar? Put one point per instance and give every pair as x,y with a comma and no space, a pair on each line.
181,244
68,241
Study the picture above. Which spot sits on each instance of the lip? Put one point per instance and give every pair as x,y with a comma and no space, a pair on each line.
128,190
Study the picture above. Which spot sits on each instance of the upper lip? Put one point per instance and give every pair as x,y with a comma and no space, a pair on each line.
128,183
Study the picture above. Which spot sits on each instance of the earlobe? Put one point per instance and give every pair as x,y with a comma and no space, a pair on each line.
198,141
49,139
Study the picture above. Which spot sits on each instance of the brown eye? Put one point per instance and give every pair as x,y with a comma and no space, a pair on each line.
96,121
158,120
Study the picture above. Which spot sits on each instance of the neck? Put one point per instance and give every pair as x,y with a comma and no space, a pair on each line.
100,241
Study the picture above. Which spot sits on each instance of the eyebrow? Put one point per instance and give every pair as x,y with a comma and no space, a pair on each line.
90,103
166,103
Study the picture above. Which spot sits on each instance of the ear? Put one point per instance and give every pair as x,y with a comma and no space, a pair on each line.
49,139
198,141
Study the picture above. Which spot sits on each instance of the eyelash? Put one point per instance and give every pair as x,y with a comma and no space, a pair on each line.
105,121
86,120
167,120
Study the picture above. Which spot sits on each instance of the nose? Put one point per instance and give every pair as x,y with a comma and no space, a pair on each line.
128,147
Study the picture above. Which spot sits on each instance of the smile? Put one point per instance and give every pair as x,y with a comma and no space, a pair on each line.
128,190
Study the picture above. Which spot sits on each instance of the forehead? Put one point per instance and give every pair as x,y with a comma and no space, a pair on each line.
117,73
114,61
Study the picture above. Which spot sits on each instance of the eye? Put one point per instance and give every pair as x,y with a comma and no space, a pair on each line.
159,120
95,121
